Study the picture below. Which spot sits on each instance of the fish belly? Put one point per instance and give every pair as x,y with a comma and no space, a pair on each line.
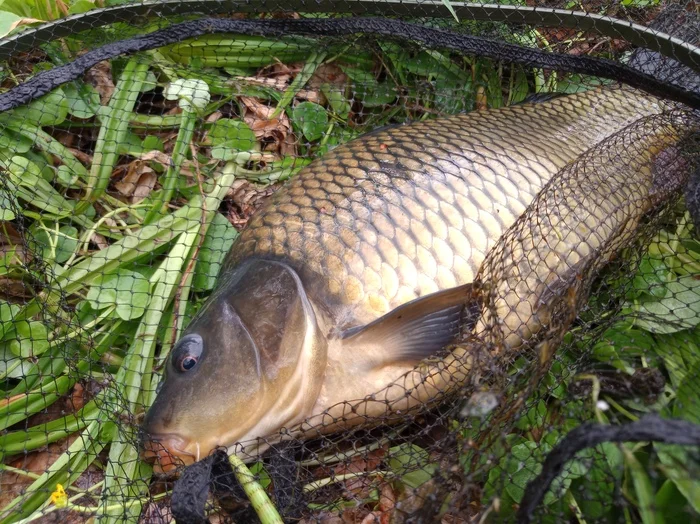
414,209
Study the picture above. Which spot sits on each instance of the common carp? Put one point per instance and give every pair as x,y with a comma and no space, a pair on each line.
362,266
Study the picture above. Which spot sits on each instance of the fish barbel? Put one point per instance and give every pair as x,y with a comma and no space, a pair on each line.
362,265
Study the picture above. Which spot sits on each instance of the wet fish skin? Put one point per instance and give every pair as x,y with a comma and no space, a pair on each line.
392,220
414,209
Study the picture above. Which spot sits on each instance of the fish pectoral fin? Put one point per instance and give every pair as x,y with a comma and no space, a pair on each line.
417,329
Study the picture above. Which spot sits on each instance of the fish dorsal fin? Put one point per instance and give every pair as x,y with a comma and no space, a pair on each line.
417,329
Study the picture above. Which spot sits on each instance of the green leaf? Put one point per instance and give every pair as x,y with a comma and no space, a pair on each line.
622,344
336,99
680,309
8,204
48,110
643,489
128,290
56,245
152,143
680,466
81,6
451,9
533,418
191,93
32,339
261,475
82,98
312,119
600,479
411,463
217,242
376,96
229,137
130,145
687,402
8,22
12,143
680,352
12,366
651,277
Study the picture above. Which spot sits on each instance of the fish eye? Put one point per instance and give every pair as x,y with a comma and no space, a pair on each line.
187,352
187,363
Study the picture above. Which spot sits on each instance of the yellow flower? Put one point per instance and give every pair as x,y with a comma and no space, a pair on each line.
59,497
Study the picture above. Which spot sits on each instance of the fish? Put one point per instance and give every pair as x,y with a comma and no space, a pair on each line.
351,280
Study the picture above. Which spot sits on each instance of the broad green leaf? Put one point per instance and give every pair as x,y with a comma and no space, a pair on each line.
82,98
651,276
81,6
336,99
57,244
8,205
228,137
152,143
643,489
12,366
192,93
412,463
12,143
32,339
8,22
311,118
261,475
679,309
128,290
687,402
48,110
217,242
376,95
683,469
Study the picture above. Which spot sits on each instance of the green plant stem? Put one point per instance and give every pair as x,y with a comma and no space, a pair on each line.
182,144
115,124
266,511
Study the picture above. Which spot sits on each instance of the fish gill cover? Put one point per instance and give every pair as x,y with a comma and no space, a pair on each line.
349,261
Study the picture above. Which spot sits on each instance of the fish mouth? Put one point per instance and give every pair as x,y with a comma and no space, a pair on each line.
168,452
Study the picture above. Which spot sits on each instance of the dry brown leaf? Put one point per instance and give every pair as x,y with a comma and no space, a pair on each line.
453,519
272,132
99,241
355,515
374,517
13,289
100,76
84,158
324,517
140,178
156,513
244,198
327,74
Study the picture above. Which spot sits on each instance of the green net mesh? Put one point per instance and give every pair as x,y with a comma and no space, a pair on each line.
349,262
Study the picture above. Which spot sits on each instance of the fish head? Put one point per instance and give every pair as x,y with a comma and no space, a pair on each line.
250,363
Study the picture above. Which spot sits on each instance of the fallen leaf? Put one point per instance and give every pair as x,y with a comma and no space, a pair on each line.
99,241
329,74
100,76
243,199
139,180
14,289
272,132
156,513
84,158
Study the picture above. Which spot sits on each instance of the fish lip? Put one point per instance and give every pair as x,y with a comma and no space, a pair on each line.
167,452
